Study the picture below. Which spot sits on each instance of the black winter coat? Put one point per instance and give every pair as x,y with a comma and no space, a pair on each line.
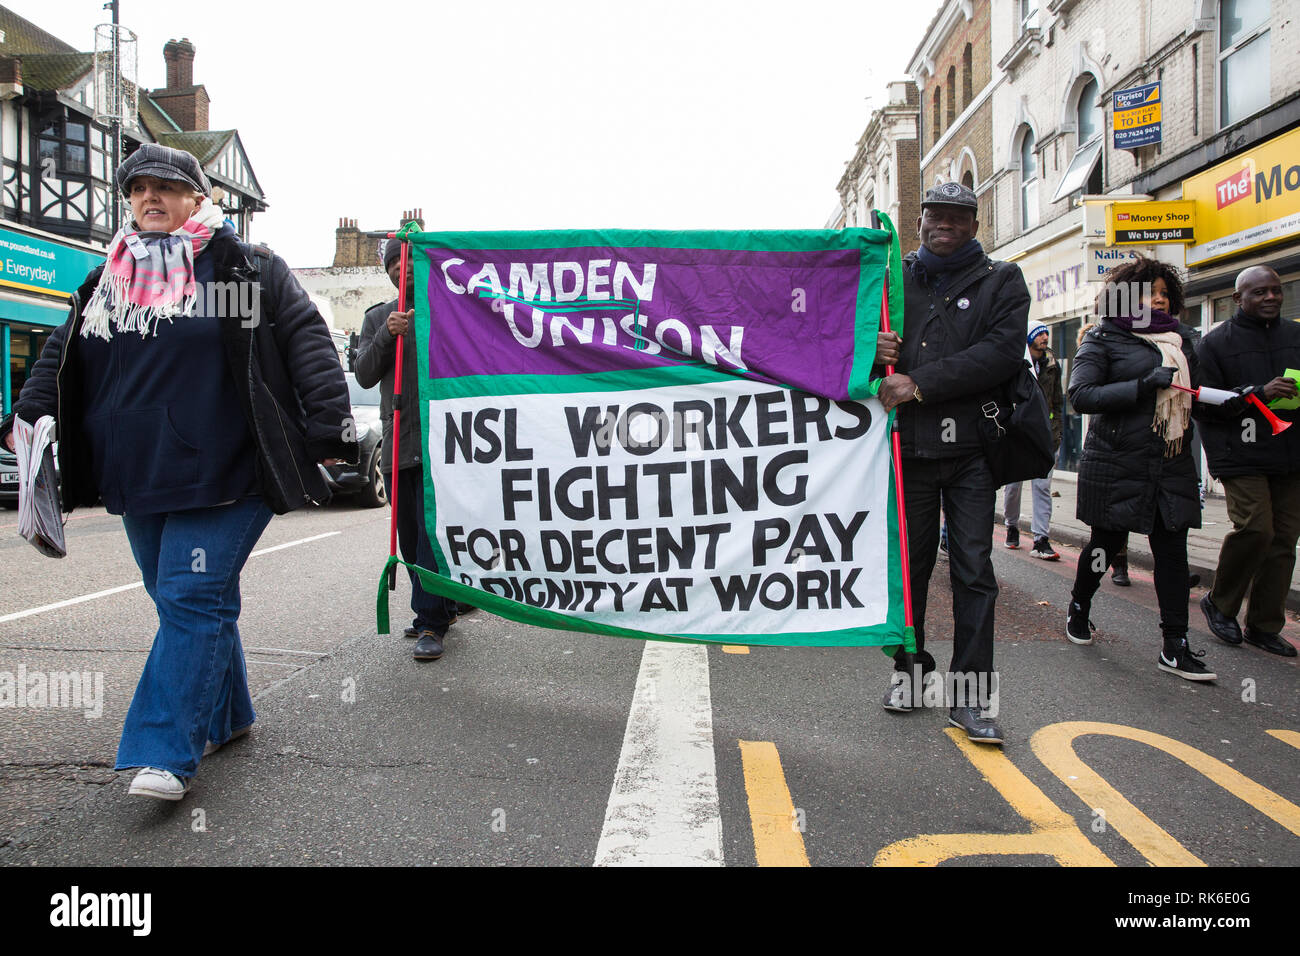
374,364
1124,476
957,356
1244,351
290,384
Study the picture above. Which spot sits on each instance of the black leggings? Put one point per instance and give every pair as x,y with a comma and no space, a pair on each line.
1168,548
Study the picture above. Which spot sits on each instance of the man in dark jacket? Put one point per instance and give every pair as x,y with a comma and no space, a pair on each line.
376,363
965,319
1260,472
1047,372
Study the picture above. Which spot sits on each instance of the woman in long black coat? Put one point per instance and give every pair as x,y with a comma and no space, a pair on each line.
1136,473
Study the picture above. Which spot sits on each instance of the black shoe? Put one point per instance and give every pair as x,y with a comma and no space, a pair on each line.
1119,574
981,729
1186,663
428,647
463,608
1013,539
943,545
1077,626
898,698
1272,643
1044,551
1225,628
411,632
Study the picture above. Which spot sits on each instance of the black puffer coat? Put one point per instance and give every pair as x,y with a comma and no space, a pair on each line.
1124,475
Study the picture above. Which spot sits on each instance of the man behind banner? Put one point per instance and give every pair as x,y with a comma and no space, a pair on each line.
963,335
375,363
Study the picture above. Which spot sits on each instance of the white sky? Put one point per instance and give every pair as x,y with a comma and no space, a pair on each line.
504,114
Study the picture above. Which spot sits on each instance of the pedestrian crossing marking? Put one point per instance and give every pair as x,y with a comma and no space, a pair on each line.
1053,832
1054,746
778,836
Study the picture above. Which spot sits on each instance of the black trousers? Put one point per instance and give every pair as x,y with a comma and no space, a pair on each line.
967,490
432,611
1169,551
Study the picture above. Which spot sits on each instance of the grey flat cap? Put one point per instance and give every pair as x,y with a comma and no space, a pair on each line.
951,194
164,162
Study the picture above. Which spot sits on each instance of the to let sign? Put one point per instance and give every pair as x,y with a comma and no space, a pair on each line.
1136,116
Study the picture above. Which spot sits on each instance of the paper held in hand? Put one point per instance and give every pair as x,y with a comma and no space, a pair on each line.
40,520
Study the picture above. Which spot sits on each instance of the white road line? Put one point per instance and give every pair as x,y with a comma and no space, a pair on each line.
290,544
663,808
283,650
138,584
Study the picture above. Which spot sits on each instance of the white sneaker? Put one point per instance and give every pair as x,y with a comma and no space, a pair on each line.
212,746
159,784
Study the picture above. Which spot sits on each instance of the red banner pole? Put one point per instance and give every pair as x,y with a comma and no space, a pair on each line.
397,413
896,440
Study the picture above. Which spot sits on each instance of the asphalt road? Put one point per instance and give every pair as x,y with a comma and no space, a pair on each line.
526,746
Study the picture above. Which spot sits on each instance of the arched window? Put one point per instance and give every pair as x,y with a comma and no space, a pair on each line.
968,180
1088,112
952,94
1028,181
938,118
967,82
1084,171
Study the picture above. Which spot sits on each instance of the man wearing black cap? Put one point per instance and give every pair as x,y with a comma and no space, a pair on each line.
375,362
963,336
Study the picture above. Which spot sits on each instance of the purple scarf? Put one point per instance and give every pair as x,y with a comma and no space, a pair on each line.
1158,322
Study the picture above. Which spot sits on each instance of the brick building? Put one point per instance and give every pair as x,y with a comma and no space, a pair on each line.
356,279
954,76
883,173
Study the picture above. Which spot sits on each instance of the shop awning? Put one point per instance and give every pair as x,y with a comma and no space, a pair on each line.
20,310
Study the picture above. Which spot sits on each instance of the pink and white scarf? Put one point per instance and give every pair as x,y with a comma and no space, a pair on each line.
149,276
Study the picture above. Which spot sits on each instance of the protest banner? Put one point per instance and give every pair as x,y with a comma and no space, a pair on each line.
668,435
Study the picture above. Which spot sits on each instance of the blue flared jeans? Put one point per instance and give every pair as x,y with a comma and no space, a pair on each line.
194,687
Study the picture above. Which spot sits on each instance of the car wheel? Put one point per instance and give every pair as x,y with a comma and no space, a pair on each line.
375,494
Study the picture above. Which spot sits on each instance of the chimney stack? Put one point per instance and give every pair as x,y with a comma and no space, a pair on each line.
183,101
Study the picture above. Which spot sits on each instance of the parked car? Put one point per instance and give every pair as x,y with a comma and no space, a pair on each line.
366,479
8,478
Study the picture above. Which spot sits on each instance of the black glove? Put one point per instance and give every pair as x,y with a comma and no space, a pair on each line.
1159,377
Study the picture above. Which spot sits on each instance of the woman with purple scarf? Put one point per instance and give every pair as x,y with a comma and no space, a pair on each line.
1137,473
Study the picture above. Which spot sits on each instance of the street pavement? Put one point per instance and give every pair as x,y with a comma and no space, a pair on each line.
524,746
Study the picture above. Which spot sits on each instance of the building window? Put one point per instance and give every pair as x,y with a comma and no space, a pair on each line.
967,180
938,118
1243,59
72,169
967,81
952,94
1084,173
1028,181
1028,10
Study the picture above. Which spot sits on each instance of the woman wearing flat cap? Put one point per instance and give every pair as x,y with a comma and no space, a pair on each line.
195,388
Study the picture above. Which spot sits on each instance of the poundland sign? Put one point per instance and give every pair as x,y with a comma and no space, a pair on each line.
35,265
1249,201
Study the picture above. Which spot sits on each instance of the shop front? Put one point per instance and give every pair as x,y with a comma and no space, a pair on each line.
38,274
1247,214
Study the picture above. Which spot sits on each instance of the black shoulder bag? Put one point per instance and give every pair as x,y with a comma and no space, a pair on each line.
1016,431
